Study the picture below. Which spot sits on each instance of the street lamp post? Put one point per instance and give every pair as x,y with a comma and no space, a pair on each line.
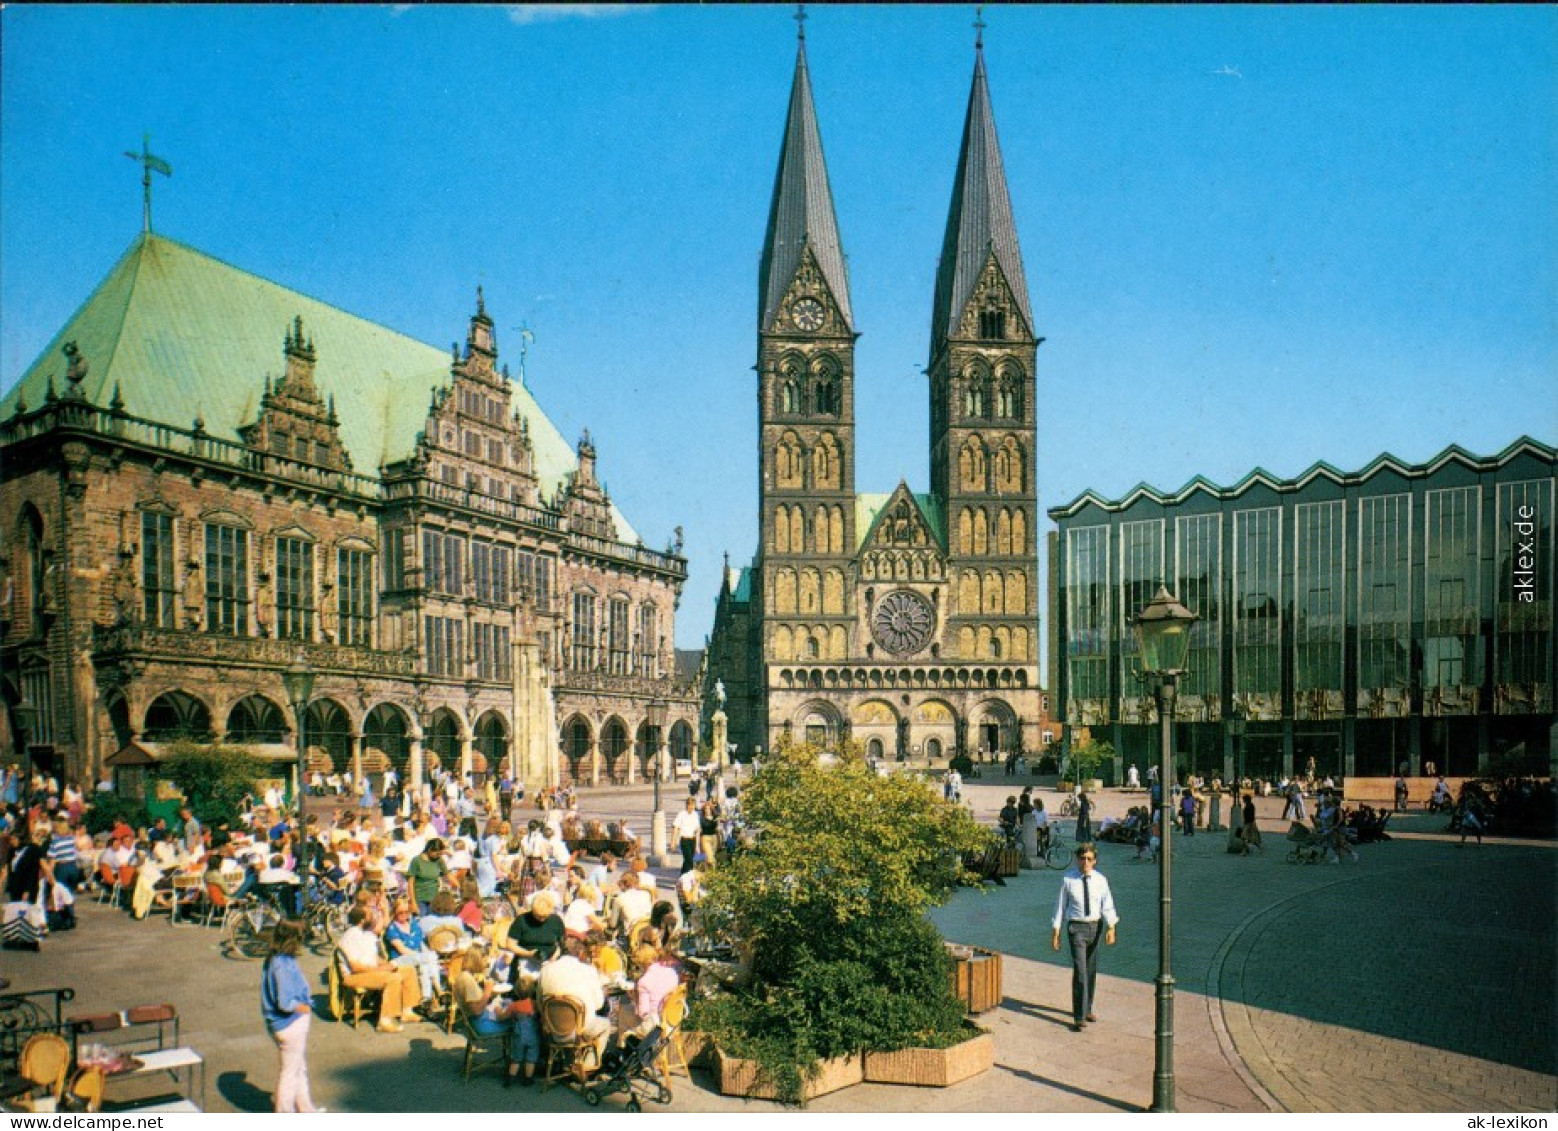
298,680
1163,630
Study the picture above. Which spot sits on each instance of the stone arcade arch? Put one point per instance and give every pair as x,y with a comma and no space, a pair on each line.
175,715
255,720
386,740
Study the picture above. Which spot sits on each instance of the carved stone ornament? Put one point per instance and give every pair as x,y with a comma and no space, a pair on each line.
902,622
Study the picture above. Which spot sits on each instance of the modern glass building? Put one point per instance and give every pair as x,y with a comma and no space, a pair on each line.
1398,614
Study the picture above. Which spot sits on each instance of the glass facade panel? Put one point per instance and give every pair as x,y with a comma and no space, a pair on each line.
1319,625
493,652
1524,580
1141,572
1087,616
1385,596
1198,584
157,584
1452,548
1257,602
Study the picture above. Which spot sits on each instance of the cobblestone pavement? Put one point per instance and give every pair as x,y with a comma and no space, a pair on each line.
1421,979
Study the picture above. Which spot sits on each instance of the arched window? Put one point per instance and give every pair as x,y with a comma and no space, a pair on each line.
175,715
256,719
789,397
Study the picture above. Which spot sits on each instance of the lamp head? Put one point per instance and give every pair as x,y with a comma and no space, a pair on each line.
1163,632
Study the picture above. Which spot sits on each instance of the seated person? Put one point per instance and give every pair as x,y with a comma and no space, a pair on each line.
606,958
658,976
441,913
570,975
536,936
491,1015
407,946
366,969
633,903
470,912
580,918
666,921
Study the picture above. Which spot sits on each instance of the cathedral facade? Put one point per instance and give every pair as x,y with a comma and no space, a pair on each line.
208,478
906,621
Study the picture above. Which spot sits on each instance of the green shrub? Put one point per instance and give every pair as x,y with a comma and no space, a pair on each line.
106,808
214,779
832,899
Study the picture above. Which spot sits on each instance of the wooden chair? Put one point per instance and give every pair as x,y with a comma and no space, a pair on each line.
107,883
217,902
188,894
482,1050
86,1090
673,1011
569,1055
344,997
44,1063
636,932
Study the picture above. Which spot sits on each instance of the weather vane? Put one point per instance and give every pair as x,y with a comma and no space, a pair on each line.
150,164
800,21
979,28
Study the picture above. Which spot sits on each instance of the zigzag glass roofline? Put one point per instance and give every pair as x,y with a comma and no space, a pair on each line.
1319,470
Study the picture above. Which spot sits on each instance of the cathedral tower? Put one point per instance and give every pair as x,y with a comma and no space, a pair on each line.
982,359
806,404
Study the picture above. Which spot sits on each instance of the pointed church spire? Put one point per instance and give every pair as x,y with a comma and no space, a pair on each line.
801,215
980,219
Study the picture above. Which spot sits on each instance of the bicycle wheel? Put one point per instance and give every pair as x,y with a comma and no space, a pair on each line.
250,929
335,922
1058,858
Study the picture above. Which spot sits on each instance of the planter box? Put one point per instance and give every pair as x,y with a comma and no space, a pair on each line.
738,1077
932,1068
698,1048
976,978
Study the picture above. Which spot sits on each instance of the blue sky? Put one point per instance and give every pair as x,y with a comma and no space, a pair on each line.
1280,234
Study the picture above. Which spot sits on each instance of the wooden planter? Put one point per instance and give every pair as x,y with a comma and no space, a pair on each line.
697,1047
976,978
932,1068
738,1077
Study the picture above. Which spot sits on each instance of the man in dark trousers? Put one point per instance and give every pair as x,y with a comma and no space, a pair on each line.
1085,911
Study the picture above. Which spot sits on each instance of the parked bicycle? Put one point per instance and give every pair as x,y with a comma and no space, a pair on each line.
1053,852
248,922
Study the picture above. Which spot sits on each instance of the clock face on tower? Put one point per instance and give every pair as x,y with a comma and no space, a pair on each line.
902,622
807,314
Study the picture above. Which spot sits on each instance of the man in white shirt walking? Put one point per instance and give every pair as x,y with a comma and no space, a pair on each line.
1085,909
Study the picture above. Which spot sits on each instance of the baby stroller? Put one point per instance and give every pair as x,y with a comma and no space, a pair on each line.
634,1072
1309,846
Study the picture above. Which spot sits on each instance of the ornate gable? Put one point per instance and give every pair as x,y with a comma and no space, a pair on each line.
585,503
901,544
809,307
474,438
294,422
992,312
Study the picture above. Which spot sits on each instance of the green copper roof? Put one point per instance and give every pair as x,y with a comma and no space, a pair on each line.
182,334
867,507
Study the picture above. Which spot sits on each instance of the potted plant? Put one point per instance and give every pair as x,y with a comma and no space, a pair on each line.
831,901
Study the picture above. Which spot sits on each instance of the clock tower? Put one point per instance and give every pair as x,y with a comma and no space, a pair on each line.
806,406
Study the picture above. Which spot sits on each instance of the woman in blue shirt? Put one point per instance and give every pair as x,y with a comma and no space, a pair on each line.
288,1004
407,945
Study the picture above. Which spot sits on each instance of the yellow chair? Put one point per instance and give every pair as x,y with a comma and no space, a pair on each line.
673,1011
44,1063
344,997
636,933
569,1054
86,1090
